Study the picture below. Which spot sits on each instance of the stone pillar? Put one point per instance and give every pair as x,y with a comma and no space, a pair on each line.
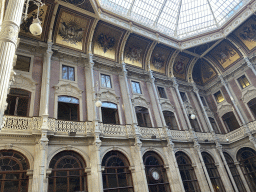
250,65
95,177
224,83
2,8
138,175
199,171
223,173
160,122
198,150
90,96
8,44
173,172
219,148
242,176
130,116
43,146
45,87
176,87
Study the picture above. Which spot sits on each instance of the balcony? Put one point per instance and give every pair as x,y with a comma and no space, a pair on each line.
32,125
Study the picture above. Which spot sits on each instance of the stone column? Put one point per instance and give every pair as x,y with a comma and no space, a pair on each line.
43,146
8,44
219,148
173,172
242,176
223,173
90,90
138,175
224,83
160,122
130,116
45,87
2,7
95,178
250,65
197,148
176,87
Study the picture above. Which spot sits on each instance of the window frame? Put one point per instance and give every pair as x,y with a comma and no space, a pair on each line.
166,97
75,72
238,83
111,81
214,98
78,108
185,95
201,96
30,65
135,81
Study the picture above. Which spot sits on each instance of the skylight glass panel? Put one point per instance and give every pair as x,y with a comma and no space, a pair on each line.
194,15
117,5
146,11
223,9
168,17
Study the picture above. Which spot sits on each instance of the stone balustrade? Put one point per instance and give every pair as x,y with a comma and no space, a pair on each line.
17,123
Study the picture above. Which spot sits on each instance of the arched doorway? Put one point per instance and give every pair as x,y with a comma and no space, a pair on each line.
68,173
247,159
13,171
213,173
187,173
116,175
155,173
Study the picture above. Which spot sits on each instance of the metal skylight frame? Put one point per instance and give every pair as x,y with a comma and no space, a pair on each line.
177,18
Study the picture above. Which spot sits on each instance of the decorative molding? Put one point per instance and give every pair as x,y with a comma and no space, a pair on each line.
63,88
166,105
109,96
140,101
208,112
248,94
22,82
223,108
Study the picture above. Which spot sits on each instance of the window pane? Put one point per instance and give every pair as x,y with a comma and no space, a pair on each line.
103,81
183,96
219,97
22,63
243,81
108,82
136,87
161,92
64,72
71,74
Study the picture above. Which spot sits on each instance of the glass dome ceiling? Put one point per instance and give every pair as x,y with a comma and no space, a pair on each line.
177,18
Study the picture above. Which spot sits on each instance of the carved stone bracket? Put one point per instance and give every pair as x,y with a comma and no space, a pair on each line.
189,108
166,105
109,96
140,101
248,94
22,82
68,89
224,107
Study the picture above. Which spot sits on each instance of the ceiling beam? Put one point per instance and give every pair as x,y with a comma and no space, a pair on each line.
177,19
216,23
159,13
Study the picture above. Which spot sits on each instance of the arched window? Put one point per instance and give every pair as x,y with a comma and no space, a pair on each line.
13,171
156,173
67,172
116,175
230,121
18,102
252,106
143,117
247,159
68,108
187,173
109,113
170,120
234,172
213,172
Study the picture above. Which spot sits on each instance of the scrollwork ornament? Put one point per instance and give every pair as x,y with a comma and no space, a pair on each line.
97,144
43,145
137,144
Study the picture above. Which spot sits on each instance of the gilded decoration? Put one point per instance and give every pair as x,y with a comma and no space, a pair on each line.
24,27
180,66
159,58
247,33
71,30
106,40
84,4
224,54
135,50
203,72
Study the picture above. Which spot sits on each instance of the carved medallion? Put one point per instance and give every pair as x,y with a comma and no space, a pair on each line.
134,54
158,60
106,42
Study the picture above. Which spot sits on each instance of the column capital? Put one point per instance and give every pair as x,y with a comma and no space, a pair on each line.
219,146
151,76
90,58
195,89
223,82
175,83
